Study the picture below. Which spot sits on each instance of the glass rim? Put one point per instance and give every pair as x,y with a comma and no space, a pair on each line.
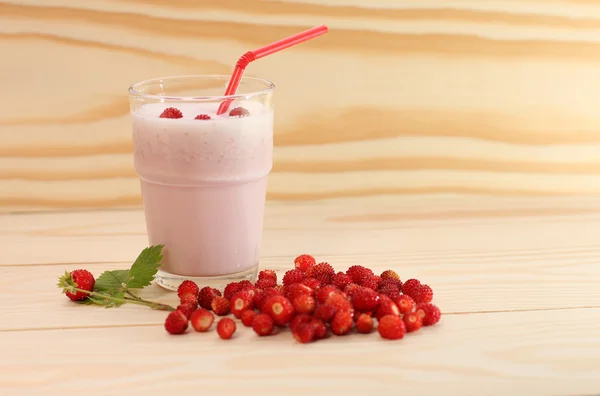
135,92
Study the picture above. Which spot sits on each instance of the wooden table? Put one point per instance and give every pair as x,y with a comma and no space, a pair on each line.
516,278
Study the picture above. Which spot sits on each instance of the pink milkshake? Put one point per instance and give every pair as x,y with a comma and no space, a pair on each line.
203,181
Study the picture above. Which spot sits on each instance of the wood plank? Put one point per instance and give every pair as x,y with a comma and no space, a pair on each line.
461,285
535,353
421,225
494,97
477,254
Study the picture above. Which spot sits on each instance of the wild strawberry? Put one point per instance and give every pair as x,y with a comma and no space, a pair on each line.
304,303
239,112
404,303
304,262
412,322
263,325
225,328
422,295
280,289
300,318
391,327
241,301
245,284
389,288
84,280
351,288
340,280
398,283
358,273
202,117
304,333
231,289
268,274
364,324
323,272
202,319
311,282
176,322
324,292
365,299
220,306
297,289
191,299
358,313
265,283
320,328
341,323
372,282
206,295
386,307
340,303
325,312
389,274
279,308
410,286
293,276
260,297
187,309
429,313
248,316
171,112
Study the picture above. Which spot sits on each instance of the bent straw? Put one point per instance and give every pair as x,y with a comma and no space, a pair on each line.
251,56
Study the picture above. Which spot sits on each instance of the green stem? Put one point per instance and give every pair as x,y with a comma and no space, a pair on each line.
133,295
151,304
134,300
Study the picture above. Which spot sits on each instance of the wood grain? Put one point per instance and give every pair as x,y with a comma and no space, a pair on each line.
486,354
400,98
515,277
513,254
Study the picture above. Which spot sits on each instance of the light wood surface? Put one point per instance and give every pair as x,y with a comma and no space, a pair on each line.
516,279
401,97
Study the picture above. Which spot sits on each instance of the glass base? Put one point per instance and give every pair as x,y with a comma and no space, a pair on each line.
172,281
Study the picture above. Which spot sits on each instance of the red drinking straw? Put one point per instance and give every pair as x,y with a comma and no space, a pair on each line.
251,56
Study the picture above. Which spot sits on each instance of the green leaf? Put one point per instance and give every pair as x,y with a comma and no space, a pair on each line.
111,281
67,283
145,267
104,300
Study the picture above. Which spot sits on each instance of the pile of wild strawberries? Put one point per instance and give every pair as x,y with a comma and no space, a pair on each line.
312,300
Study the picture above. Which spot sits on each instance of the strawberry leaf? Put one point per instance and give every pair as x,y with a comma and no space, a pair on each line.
111,281
67,283
145,267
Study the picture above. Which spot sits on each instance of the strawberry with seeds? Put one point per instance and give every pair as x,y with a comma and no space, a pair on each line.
304,262
391,327
429,313
248,316
171,112
412,321
176,322
202,319
220,306
263,325
225,328
279,308
84,280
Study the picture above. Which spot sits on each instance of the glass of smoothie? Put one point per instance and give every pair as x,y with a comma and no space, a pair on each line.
203,176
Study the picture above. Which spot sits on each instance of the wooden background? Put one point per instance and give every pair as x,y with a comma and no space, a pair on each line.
401,97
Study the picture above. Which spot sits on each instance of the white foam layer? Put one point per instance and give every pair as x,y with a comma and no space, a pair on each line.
185,150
